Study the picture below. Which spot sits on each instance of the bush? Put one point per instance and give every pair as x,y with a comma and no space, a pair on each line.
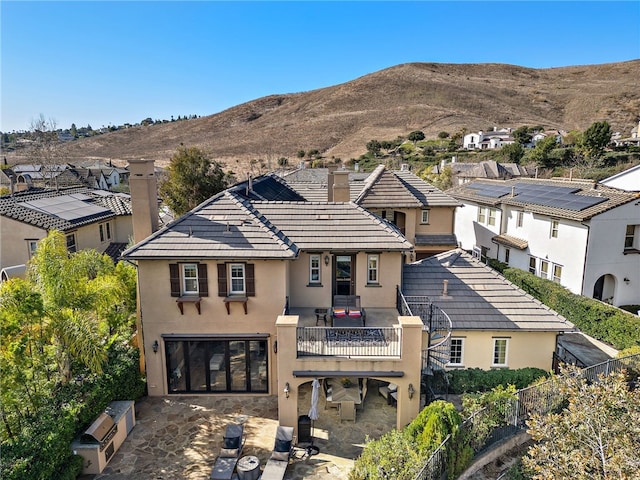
473,380
604,322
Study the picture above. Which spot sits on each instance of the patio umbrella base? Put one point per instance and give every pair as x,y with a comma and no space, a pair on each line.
312,450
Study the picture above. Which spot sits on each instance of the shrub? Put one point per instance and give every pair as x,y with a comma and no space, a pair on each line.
473,380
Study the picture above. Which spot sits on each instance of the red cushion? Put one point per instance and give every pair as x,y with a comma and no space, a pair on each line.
355,313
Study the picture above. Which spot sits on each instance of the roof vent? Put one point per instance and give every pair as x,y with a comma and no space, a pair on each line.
445,288
323,216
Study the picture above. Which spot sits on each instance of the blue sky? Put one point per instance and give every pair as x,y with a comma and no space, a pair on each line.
107,63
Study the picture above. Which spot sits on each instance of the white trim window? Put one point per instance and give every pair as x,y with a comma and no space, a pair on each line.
555,225
456,357
71,242
189,278
237,279
519,218
500,346
424,219
544,268
557,273
314,268
373,266
507,255
492,217
532,265
630,237
105,232
32,246
482,214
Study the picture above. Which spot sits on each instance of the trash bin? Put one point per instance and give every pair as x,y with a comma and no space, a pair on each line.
304,429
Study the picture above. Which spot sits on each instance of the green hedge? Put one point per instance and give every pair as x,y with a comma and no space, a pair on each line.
42,450
599,320
473,380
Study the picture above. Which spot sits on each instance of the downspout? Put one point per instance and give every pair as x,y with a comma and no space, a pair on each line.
584,263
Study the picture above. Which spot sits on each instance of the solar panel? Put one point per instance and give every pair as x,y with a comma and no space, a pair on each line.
67,207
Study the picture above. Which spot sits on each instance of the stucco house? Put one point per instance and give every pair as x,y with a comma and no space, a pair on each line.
580,234
495,324
424,214
497,138
465,172
90,219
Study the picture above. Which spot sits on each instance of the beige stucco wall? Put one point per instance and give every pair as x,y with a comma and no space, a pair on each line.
160,313
14,249
524,349
409,364
122,230
440,221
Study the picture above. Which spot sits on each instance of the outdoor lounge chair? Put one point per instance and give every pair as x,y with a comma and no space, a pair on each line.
279,460
232,445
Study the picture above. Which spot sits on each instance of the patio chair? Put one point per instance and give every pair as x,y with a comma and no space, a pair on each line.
347,410
232,445
283,449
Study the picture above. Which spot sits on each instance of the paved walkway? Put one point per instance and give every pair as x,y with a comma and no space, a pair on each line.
179,437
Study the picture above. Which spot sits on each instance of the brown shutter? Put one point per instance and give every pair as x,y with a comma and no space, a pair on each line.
203,281
250,280
222,280
174,278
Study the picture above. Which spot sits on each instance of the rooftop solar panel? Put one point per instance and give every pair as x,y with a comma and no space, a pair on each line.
68,207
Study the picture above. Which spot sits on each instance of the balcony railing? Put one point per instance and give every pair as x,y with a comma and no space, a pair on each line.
349,342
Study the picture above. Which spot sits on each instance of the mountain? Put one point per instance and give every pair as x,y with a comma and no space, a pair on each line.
432,97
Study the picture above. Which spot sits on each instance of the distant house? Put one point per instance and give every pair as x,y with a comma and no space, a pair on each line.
633,140
495,324
462,172
488,140
90,219
557,134
578,233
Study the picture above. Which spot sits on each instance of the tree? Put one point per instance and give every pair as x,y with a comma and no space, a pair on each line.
416,136
512,152
374,146
442,135
191,179
595,139
541,152
301,154
597,436
44,148
73,130
522,135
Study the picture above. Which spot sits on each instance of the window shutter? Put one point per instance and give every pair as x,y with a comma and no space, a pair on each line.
222,280
203,281
250,280
174,278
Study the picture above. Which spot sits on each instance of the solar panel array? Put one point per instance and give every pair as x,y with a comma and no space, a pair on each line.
540,194
68,207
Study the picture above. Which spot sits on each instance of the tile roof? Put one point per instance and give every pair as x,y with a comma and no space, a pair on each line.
267,187
494,192
510,241
311,183
64,209
230,226
479,298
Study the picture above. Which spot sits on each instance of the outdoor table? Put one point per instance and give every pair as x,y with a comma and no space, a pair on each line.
248,468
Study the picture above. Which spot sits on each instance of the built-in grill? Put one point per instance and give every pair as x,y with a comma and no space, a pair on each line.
98,443
100,431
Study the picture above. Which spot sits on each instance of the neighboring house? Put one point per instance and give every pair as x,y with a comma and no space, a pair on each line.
557,134
488,140
89,218
462,172
495,323
633,140
228,292
580,234
423,214
628,180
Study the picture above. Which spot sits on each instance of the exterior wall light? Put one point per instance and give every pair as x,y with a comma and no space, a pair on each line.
326,260
286,390
155,346
411,391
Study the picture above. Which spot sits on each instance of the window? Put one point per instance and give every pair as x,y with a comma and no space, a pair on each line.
507,254
455,357
425,216
314,269
71,242
554,228
372,269
492,216
519,219
630,237
532,265
483,254
32,245
189,279
482,214
105,232
499,351
544,268
237,279
557,273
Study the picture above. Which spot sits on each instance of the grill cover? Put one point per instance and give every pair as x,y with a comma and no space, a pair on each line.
99,429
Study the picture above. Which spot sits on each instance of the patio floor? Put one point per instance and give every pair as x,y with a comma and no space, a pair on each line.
179,437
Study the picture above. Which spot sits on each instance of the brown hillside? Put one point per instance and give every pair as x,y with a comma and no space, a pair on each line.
339,120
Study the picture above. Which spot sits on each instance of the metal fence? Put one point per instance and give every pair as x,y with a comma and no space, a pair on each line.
350,342
538,399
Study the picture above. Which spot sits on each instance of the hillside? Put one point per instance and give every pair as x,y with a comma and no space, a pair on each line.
339,120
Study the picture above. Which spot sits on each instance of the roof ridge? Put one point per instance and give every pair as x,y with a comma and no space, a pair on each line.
368,183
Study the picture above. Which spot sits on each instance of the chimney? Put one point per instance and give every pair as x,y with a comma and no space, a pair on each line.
341,186
445,288
330,181
144,198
